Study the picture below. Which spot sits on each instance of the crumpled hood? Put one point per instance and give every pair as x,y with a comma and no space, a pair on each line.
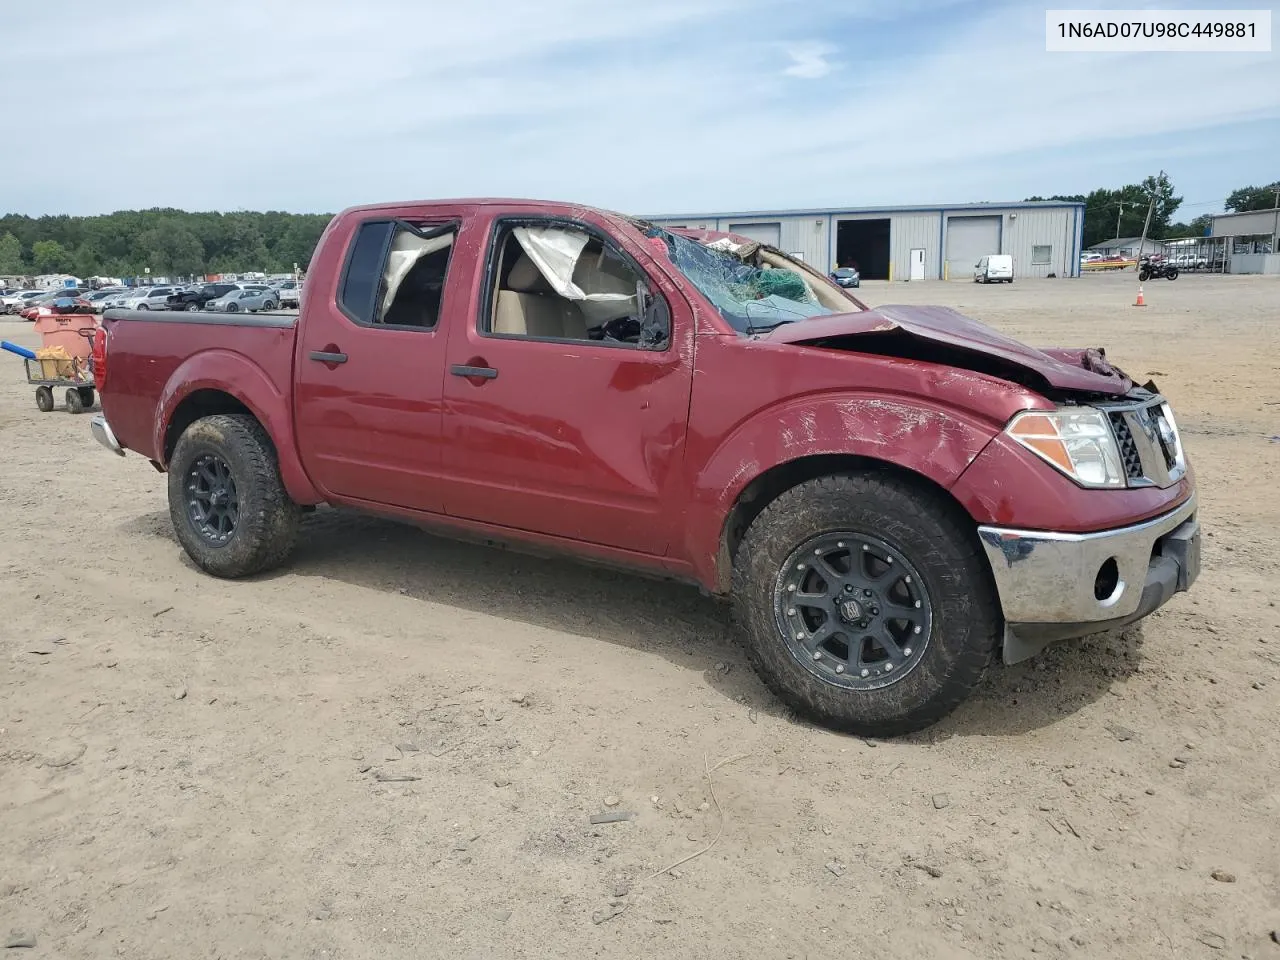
1085,370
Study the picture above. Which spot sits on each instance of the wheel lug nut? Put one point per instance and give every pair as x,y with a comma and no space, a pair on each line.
866,673
848,588
817,654
862,624
840,545
906,651
799,636
866,593
917,604
839,668
916,630
888,667
791,612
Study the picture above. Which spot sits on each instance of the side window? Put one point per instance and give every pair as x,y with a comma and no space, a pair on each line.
396,274
560,282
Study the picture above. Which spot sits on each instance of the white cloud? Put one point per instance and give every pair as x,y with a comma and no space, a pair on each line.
672,105
809,60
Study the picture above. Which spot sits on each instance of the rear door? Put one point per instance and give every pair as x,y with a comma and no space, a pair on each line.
549,430
369,365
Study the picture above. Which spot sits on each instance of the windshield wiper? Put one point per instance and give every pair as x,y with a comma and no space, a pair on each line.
765,328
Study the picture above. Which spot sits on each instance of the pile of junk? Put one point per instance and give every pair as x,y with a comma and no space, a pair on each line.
64,360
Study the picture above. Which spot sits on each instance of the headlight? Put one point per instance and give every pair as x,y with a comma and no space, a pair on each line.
1076,440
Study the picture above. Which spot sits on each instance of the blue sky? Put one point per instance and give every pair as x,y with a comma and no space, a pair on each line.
661,106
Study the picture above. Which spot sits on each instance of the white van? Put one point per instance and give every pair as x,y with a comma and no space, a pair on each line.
997,268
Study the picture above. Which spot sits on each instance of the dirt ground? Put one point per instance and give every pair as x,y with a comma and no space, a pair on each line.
195,768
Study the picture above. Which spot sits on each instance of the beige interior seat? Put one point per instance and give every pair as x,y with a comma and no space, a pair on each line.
527,306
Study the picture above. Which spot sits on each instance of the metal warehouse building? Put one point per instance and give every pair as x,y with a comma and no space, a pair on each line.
938,241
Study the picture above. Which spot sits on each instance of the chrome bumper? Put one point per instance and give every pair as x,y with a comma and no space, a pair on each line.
1058,585
101,431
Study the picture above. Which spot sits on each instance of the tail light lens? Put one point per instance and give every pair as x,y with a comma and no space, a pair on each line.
100,358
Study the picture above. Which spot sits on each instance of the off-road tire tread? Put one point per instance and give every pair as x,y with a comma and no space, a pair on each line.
266,534
972,622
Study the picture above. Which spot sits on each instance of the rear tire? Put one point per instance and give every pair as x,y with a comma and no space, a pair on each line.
193,306
44,399
75,402
265,527
958,616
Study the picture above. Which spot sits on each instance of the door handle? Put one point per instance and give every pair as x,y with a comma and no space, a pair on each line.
481,373
324,356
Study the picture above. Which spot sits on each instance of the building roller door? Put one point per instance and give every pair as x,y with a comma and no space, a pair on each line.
969,239
770,233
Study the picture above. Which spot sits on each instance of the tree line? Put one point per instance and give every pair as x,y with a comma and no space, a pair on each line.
169,242
1122,212
176,243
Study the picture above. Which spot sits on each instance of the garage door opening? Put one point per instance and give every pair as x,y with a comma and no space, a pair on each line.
770,233
864,244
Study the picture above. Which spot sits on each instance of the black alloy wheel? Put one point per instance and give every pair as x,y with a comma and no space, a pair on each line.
213,504
853,610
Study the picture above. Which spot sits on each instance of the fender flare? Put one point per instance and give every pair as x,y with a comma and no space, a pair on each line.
910,433
235,375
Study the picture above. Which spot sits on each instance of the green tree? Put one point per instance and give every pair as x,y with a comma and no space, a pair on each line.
1253,198
50,256
1110,213
11,256
170,248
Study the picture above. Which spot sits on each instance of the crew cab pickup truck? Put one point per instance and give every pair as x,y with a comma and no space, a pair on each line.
890,497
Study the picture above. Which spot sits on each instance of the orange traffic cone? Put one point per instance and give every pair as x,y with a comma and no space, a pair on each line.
1140,302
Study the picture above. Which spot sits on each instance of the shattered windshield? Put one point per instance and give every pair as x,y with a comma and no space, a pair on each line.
751,299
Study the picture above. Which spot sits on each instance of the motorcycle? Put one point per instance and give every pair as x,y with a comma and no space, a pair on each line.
1149,268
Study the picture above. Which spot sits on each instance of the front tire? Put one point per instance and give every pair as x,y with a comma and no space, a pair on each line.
193,307
227,502
923,623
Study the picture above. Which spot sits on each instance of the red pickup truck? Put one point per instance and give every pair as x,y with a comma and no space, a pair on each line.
889,496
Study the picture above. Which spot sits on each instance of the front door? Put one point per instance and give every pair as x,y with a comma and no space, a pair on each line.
917,263
369,366
549,428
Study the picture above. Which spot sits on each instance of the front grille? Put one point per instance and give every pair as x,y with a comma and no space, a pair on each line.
1128,448
1148,441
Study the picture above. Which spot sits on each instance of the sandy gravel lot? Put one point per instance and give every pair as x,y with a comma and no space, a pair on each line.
192,768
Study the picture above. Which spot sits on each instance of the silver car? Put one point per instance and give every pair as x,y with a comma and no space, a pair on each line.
244,300
148,298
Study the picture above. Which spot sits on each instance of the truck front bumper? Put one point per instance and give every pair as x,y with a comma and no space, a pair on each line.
1054,586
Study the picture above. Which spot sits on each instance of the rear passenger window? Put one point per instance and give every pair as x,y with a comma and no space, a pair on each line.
396,274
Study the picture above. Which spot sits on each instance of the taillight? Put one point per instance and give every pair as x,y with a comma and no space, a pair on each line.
100,358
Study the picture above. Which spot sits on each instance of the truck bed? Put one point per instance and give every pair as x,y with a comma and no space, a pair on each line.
152,354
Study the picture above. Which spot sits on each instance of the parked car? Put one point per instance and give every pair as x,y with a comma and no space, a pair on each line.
889,497
148,298
59,304
119,299
289,293
33,305
195,298
847,277
14,302
99,298
996,268
247,301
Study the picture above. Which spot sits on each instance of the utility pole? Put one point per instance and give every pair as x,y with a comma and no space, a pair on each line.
1118,212
1275,229
1142,244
